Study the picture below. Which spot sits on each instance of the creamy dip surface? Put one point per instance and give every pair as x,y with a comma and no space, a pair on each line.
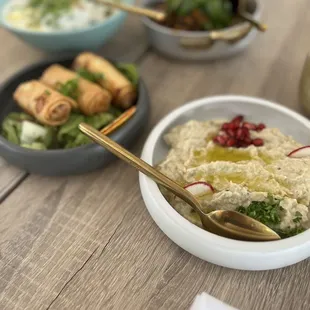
39,15
263,179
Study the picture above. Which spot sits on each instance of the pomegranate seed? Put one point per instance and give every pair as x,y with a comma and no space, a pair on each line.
231,142
258,142
231,132
249,126
237,120
233,126
220,140
247,141
246,132
260,127
240,134
225,126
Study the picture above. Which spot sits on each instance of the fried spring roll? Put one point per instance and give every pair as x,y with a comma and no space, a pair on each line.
91,98
42,102
123,92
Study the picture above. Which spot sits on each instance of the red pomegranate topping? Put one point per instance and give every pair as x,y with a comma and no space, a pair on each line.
236,133
225,126
258,142
231,142
231,132
260,127
247,141
237,120
220,140
249,126
240,134
233,126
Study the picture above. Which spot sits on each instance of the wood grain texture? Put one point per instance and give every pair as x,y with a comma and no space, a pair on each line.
87,242
17,54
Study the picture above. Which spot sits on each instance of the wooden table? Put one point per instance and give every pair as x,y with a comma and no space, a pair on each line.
88,242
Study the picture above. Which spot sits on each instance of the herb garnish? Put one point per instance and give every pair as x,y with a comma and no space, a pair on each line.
69,89
90,76
290,232
298,217
49,8
267,212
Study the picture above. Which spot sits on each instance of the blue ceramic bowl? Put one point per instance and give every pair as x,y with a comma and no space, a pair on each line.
90,38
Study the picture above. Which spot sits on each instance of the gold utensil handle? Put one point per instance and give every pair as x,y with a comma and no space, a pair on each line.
139,164
119,121
231,35
159,16
260,26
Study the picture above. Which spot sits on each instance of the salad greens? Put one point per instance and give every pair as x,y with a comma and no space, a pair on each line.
16,129
269,213
17,126
130,71
69,135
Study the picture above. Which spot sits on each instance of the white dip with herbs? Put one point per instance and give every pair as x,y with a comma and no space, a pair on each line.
55,15
260,181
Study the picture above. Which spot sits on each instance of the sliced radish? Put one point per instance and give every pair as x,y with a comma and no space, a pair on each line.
300,152
199,189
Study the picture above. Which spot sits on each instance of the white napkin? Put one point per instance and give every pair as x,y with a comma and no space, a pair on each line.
206,302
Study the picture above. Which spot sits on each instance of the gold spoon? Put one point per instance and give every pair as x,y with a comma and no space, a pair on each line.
157,15
161,16
230,224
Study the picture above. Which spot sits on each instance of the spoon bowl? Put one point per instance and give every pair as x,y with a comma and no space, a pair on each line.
230,224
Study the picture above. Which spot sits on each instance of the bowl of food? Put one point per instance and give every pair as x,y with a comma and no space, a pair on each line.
195,31
43,105
60,26
257,164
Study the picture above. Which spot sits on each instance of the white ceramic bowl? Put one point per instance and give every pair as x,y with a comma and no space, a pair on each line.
212,248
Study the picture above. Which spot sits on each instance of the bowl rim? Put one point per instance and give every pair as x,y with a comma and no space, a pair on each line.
58,152
149,188
195,34
113,17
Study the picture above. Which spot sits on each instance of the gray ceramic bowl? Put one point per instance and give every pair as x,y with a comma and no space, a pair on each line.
72,161
201,45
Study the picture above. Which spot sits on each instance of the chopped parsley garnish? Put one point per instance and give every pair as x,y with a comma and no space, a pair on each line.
52,9
269,213
69,89
90,76
290,232
266,212
47,92
298,217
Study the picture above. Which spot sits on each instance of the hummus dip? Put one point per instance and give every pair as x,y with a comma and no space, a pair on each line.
262,182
